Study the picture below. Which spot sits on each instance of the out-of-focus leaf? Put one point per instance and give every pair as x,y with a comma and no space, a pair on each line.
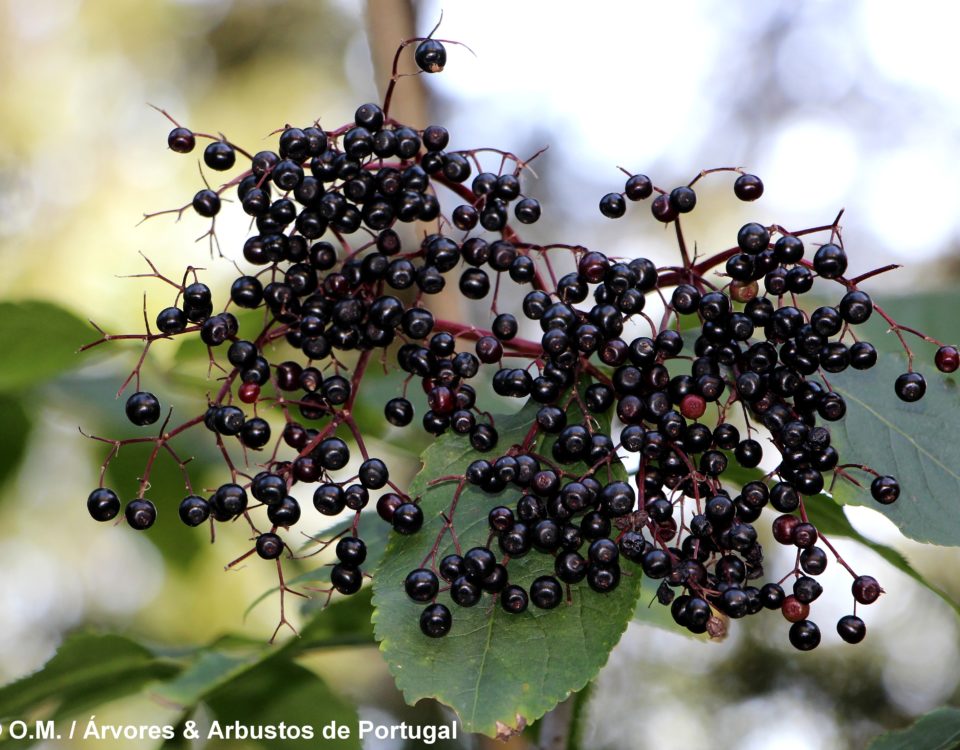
938,730
13,435
345,621
210,670
278,692
88,670
39,340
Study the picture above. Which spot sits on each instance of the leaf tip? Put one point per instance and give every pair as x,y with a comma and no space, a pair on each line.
505,732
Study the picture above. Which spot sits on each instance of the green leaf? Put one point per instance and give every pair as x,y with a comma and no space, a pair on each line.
830,519
39,340
918,443
86,671
278,691
211,669
345,621
497,671
13,436
938,730
934,314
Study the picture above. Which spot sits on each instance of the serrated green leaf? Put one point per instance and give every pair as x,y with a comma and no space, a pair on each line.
938,730
497,671
39,340
87,670
918,443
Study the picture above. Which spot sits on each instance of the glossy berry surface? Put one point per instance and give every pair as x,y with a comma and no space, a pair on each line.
103,504
140,514
947,359
436,621
142,408
431,56
804,635
851,628
910,387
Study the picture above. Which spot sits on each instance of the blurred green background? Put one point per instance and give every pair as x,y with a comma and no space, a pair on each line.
833,104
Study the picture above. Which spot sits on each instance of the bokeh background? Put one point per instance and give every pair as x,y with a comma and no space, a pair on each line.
835,104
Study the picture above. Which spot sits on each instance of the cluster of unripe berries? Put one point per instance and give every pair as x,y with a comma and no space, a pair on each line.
329,266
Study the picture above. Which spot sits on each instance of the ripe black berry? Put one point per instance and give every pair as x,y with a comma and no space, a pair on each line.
346,579
855,307
866,589
140,514
143,408
181,140
514,599
103,504
910,386
804,635
603,579
465,592
206,203
885,489
219,156
431,56
351,550
171,320
527,210
286,512
753,238
407,518
435,621
398,412
421,585
334,453
194,510
613,206
373,474
683,200
748,187
851,628
830,261
269,546
638,187
546,592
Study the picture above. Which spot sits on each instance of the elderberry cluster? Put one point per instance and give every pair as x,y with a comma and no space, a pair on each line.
341,284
